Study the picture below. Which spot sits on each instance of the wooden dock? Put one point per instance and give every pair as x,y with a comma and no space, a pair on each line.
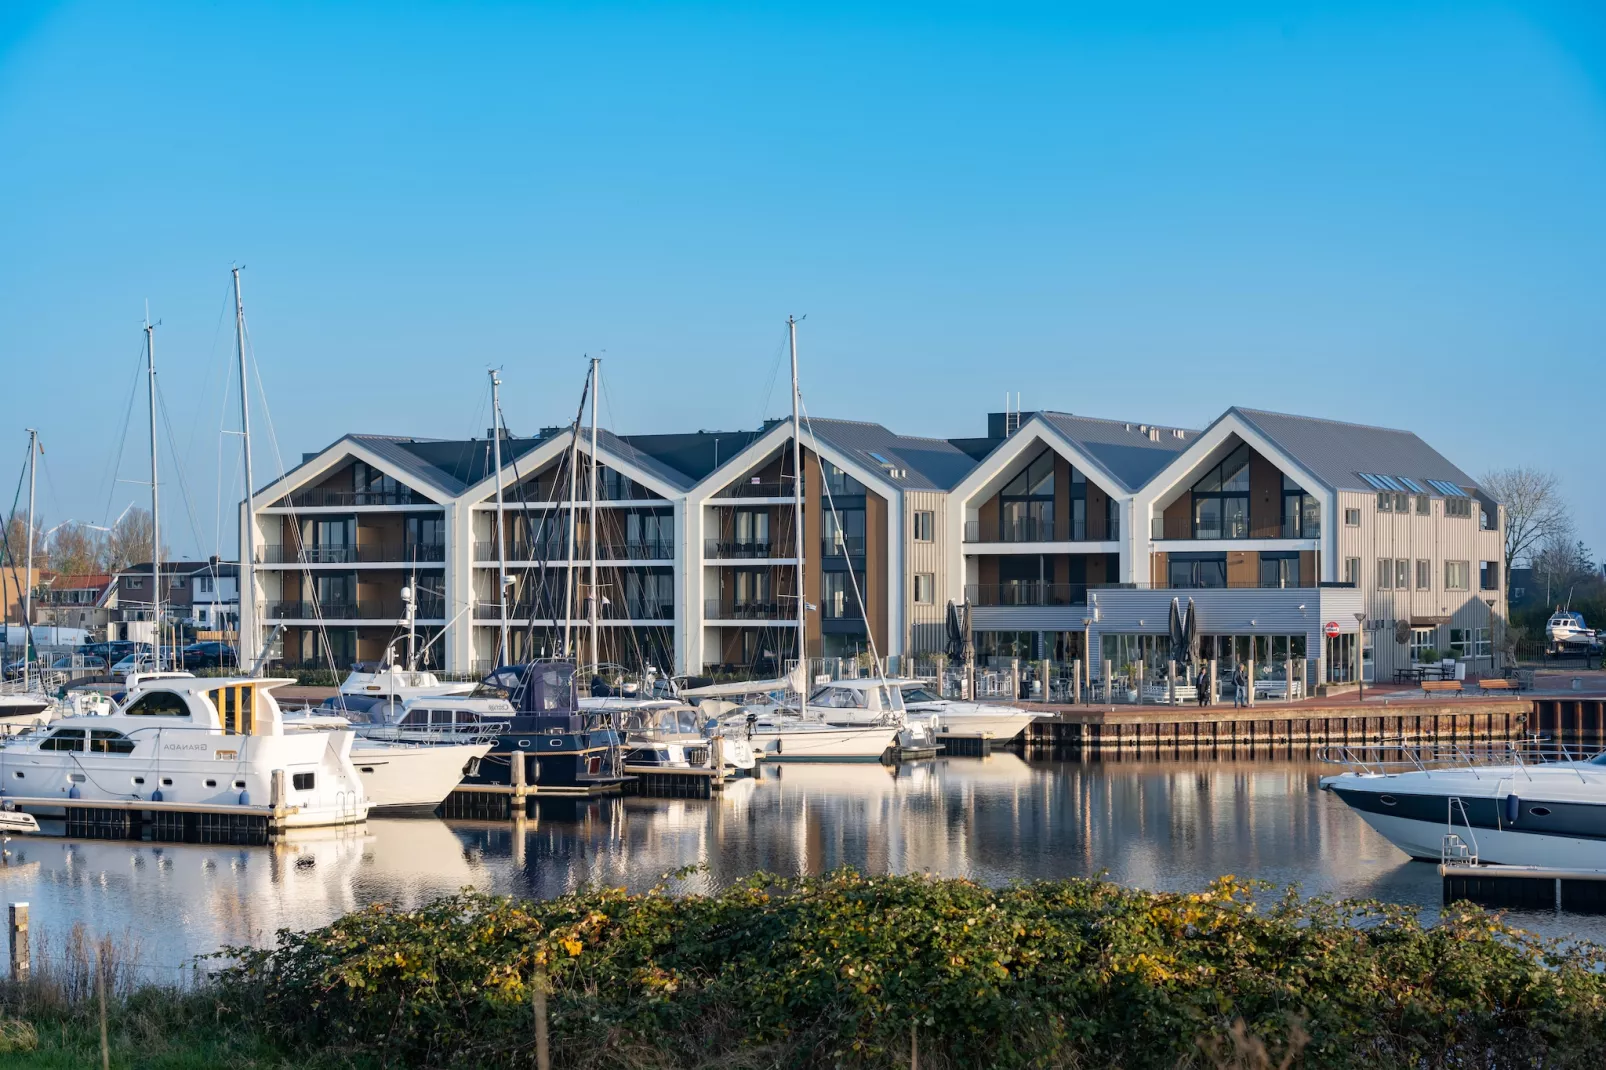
961,746
1307,724
161,822
1582,891
659,782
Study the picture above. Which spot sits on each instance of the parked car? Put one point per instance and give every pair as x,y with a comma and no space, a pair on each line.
141,662
113,651
208,655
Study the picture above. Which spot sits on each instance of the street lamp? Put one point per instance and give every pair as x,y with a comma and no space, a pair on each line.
1360,653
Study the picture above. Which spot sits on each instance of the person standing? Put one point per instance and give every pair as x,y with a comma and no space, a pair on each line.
1239,680
1202,684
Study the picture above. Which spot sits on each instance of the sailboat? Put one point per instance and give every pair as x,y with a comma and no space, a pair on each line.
782,732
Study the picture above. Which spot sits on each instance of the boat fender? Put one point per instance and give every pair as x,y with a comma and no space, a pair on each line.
1513,809
74,793
156,796
245,798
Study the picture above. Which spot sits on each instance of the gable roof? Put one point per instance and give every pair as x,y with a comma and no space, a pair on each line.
1124,450
1337,453
928,463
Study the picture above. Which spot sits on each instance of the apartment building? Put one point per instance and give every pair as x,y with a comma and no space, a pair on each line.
1069,535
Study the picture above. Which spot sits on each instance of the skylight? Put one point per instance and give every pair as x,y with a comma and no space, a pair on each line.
1447,488
1412,485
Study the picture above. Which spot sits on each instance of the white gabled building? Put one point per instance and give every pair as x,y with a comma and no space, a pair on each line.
1069,535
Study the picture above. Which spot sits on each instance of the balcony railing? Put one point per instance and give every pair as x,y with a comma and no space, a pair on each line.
631,609
1027,529
772,488
316,497
734,550
362,609
362,554
553,550
842,546
1291,527
1026,593
718,609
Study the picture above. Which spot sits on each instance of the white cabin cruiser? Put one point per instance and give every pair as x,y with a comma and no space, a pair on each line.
872,701
664,734
1565,629
960,718
1502,805
391,681
21,710
399,776
219,743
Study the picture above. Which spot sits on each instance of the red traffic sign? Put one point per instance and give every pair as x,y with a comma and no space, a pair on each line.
1330,629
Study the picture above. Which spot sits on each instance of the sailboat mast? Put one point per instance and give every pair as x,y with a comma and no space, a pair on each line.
596,372
568,543
156,506
27,569
248,567
797,525
501,544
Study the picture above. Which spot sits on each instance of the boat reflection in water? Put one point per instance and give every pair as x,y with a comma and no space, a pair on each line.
1151,823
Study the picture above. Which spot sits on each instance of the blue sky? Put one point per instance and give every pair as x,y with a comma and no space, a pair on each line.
1391,213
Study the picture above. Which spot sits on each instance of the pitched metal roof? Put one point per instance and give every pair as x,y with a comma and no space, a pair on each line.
1124,450
1338,453
926,463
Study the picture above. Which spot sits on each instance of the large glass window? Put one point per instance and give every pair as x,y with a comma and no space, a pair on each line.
838,601
1197,571
843,531
158,704
1221,499
1026,504
1456,575
753,531
838,482
1422,641
1300,512
1279,570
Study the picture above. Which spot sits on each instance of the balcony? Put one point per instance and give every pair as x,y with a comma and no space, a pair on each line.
732,550
364,609
1292,527
758,488
553,550
631,609
718,609
320,497
370,554
842,546
1031,529
1027,593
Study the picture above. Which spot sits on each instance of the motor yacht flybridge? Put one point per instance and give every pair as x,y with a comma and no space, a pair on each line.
214,745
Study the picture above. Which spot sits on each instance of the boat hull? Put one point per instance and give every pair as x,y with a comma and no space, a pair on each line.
1422,840
413,779
1002,727
824,745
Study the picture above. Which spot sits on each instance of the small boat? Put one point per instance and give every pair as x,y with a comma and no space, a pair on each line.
391,681
220,743
959,718
781,735
873,701
399,775
15,822
664,734
25,709
1499,803
1565,630
536,711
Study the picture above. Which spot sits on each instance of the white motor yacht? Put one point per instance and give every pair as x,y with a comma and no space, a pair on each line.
961,718
20,710
873,701
1502,804
217,742
399,684
399,775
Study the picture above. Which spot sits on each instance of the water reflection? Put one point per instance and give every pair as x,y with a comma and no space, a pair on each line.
1151,823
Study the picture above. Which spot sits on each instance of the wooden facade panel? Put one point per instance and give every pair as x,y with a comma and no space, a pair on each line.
1265,498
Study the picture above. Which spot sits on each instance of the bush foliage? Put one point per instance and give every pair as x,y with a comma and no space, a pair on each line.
841,969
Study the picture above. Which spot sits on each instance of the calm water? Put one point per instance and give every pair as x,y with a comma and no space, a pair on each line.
1152,823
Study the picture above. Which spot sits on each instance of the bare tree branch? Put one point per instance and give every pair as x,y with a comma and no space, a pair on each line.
1534,511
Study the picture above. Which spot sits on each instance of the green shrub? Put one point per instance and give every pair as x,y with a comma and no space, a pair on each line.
840,969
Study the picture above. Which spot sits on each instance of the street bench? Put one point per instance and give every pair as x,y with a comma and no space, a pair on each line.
1486,686
1451,687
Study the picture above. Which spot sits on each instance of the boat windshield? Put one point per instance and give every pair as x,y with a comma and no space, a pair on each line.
1599,759
919,694
838,698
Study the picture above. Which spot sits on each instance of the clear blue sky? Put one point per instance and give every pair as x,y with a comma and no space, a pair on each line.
1391,213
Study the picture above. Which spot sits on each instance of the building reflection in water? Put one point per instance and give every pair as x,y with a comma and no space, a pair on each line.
1155,823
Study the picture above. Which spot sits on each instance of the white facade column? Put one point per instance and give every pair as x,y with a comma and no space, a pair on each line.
458,567
897,580
688,630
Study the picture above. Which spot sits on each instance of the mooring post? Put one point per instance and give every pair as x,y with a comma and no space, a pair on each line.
716,758
19,941
1109,681
1076,681
1212,697
276,792
518,774
1171,682
1249,682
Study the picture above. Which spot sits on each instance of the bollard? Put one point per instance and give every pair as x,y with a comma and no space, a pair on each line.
276,791
1109,682
19,941
519,770
1249,683
716,757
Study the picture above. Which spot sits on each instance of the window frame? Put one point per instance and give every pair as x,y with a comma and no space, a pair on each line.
1424,574
927,580
925,525
1465,569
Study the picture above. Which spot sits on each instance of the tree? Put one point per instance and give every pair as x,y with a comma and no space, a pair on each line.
129,542
76,549
1534,510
